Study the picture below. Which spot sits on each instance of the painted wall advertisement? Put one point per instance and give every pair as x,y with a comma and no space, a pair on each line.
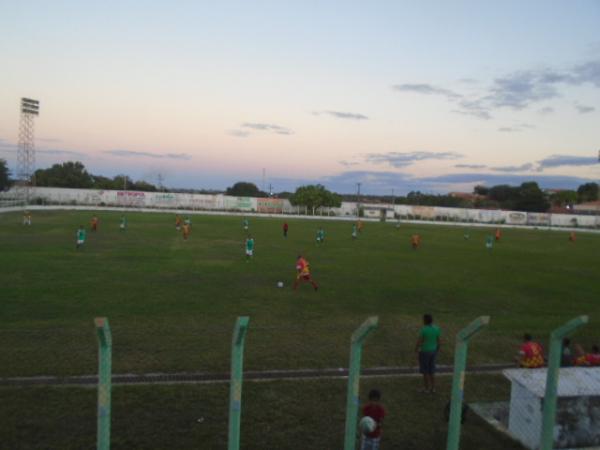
270,205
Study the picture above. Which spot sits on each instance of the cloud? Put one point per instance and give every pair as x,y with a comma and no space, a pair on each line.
516,128
61,152
470,166
522,168
516,91
238,133
348,163
546,110
399,159
426,89
566,160
49,140
267,127
583,109
342,115
134,154
545,181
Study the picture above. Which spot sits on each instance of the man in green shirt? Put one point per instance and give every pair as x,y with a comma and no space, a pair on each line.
123,224
428,345
80,236
320,236
249,248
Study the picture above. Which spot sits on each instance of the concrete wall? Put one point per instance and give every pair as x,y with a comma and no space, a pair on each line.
220,202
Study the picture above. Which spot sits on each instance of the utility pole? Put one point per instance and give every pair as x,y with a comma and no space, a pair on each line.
358,200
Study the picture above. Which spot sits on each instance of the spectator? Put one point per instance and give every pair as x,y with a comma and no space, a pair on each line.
428,345
566,355
531,354
587,359
375,410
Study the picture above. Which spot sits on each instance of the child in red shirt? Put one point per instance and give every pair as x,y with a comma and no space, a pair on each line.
375,410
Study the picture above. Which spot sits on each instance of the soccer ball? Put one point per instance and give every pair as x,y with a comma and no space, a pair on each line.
280,284
367,425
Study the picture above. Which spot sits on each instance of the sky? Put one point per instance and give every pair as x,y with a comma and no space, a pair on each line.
433,96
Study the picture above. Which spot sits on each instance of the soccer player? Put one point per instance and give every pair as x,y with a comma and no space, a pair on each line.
531,354
320,236
187,221
415,241
360,226
285,229
303,273
245,224
249,248
427,348
354,232
94,223
26,218
80,235
376,411
489,242
186,231
123,224
178,222
572,237
498,234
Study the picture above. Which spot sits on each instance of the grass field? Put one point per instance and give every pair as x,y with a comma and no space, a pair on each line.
172,305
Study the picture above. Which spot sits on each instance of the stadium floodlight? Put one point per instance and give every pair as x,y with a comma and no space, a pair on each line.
26,147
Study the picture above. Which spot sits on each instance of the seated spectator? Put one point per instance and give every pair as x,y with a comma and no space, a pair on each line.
587,359
566,355
531,354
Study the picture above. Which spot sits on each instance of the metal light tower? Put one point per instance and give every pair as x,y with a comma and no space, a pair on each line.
26,148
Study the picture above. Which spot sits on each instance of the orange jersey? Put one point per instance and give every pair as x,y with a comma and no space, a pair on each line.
532,355
177,221
572,237
498,234
186,229
415,240
303,267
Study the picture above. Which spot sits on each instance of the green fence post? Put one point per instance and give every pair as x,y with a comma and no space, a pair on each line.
458,379
235,384
104,382
549,408
352,400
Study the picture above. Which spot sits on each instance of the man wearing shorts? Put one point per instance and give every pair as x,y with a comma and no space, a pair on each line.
427,348
80,236
303,273
249,248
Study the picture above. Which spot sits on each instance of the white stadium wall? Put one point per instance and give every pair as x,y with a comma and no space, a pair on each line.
220,202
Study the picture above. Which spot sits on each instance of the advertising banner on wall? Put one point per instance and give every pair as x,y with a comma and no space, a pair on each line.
240,203
131,198
538,219
269,205
516,218
425,212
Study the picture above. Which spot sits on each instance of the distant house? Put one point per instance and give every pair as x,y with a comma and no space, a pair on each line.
588,207
466,196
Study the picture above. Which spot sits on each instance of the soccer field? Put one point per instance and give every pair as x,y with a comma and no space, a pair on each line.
172,305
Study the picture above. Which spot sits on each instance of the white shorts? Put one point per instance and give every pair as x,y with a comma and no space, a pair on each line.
79,242
249,252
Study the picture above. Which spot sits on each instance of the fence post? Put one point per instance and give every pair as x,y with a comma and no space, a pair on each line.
458,379
549,408
352,399
235,384
104,382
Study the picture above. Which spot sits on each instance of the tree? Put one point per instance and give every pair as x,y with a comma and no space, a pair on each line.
531,198
481,190
587,192
68,175
563,198
314,196
4,175
244,189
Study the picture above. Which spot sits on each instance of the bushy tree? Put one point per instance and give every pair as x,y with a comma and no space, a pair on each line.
315,196
531,198
563,198
4,175
70,174
588,192
244,189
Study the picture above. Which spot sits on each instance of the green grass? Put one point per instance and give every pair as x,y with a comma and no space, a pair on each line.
172,304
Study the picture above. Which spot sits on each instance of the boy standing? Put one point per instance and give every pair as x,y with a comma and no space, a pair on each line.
94,223
123,224
375,410
320,235
245,224
427,348
354,235
80,237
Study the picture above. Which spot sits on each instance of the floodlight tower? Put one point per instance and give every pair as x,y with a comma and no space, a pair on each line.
26,148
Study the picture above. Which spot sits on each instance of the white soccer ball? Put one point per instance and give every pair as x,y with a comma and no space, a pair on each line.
280,284
367,425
